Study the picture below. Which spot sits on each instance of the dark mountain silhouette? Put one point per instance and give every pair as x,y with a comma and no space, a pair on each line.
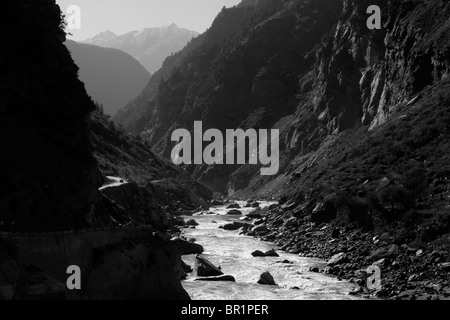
49,142
50,179
150,46
56,149
112,77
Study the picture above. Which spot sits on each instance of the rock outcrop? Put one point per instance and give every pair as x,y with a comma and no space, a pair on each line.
186,247
50,179
205,268
112,77
50,201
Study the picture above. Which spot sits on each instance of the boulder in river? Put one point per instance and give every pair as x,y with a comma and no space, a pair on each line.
258,253
216,202
314,269
218,278
234,213
266,279
186,247
205,268
252,204
271,253
236,226
233,206
191,222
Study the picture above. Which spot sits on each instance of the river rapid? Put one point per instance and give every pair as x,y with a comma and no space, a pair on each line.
232,253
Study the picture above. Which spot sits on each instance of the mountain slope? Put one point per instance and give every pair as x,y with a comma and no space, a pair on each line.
50,178
121,155
297,66
52,213
112,77
242,72
150,46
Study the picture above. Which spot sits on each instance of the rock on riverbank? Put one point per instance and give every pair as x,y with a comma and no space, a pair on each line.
410,268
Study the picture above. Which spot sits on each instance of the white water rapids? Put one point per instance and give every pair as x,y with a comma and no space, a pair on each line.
233,253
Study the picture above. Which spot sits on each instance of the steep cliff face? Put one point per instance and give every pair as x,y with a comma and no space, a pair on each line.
360,75
51,179
311,68
364,78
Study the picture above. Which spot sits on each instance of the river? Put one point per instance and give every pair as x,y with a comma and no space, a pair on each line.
232,253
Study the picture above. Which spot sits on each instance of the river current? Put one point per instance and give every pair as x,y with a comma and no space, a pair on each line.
232,253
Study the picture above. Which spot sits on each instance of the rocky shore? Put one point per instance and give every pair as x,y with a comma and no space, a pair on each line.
410,268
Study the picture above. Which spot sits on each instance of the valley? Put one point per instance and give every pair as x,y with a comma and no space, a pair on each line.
145,158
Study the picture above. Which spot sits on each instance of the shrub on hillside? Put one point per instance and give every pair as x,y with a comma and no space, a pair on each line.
402,192
353,209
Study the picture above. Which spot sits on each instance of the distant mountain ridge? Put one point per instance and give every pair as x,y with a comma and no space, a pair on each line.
150,46
100,38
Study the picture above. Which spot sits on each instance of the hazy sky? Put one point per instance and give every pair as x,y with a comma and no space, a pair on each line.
121,16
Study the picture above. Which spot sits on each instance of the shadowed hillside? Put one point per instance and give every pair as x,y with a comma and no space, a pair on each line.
112,77
56,149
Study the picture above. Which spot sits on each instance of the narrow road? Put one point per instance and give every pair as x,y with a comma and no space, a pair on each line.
114,182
